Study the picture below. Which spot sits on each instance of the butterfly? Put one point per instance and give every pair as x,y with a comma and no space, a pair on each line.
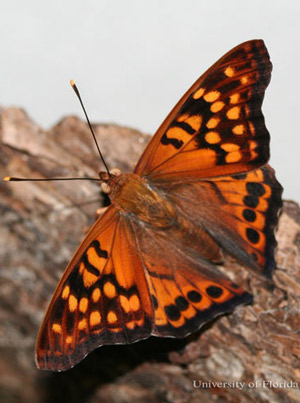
201,189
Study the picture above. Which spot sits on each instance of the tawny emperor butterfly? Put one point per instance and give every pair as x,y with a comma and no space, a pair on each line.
202,186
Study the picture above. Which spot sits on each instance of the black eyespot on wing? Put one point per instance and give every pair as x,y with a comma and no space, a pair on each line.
194,296
181,303
252,235
214,291
249,215
251,201
255,189
172,312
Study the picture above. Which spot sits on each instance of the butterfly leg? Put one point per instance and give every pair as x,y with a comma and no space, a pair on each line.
99,212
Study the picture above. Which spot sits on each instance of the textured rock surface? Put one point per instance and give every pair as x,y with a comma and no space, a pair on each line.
41,226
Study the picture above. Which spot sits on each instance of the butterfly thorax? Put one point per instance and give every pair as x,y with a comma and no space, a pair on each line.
130,193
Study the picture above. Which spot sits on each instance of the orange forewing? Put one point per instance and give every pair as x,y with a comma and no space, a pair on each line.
217,128
103,298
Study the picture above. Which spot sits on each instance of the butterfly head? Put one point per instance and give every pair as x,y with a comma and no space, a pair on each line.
109,179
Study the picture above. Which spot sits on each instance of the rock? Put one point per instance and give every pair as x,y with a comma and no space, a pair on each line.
42,223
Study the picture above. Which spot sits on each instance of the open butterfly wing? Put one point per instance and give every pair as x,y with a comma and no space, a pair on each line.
217,128
187,291
121,287
240,212
102,298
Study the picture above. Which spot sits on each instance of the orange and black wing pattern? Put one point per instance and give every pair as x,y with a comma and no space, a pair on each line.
217,128
103,298
121,287
186,290
240,213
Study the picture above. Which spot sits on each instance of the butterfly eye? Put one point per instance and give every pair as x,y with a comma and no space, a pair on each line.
104,176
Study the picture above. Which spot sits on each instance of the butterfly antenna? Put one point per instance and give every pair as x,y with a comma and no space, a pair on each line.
14,179
89,123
